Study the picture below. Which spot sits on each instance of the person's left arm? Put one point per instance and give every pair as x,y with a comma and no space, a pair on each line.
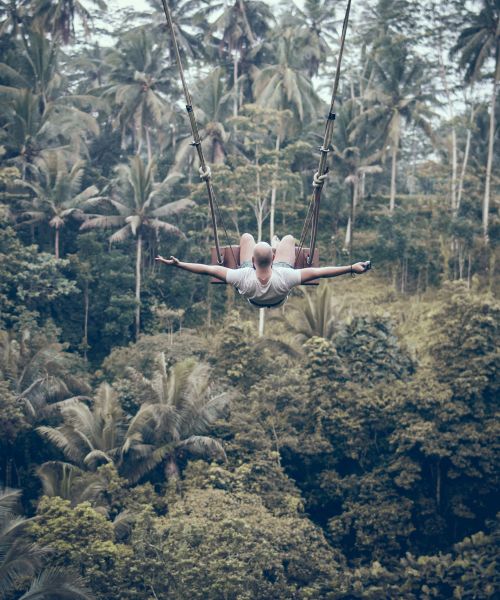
310,273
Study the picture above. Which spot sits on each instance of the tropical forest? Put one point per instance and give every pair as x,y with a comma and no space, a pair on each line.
161,438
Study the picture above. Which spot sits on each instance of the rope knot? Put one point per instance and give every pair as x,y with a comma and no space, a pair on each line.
319,180
205,175
329,148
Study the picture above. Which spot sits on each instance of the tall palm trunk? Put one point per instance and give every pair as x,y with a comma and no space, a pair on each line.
454,159
172,471
465,161
248,29
454,169
260,202
260,219
235,80
273,190
262,311
218,154
491,139
354,199
392,201
148,144
56,243
138,285
85,318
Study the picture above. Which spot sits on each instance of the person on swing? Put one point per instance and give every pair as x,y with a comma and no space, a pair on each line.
265,281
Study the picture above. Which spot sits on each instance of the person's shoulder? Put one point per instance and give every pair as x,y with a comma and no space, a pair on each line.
238,275
288,274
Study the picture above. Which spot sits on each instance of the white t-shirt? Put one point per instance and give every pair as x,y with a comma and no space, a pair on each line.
275,291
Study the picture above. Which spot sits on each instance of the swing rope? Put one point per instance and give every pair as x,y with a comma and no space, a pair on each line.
312,216
205,172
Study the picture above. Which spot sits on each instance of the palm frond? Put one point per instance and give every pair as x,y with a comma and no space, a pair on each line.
57,478
63,439
122,523
9,498
95,458
202,446
120,235
165,227
56,582
140,467
173,208
102,222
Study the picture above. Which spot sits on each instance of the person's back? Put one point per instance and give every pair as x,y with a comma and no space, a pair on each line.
263,282
271,293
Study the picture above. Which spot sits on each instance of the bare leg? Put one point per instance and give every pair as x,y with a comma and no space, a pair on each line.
285,252
247,244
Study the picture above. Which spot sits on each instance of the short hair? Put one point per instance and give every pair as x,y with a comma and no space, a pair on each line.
263,254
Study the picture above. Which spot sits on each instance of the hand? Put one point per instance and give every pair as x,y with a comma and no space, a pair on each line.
361,267
172,261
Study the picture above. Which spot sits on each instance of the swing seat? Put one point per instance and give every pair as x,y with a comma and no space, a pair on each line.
230,253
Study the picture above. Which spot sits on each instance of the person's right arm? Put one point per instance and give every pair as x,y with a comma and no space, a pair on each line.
310,273
200,269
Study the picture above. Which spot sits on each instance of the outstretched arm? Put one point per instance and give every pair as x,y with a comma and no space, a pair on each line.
200,269
311,273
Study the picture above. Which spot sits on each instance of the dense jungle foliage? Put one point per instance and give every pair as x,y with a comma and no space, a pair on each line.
158,441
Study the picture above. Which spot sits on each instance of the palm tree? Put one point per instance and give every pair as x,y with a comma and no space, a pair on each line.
20,558
237,31
188,27
385,18
138,81
28,132
181,410
477,43
56,582
89,67
35,113
284,85
58,16
314,26
397,96
318,314
70,482
212,109
172,424
58,196
91,436
34,65
141,208
42,374
355,157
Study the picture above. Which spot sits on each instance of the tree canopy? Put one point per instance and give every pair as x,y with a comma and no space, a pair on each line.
160,439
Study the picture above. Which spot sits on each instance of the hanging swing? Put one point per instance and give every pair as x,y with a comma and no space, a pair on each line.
229,255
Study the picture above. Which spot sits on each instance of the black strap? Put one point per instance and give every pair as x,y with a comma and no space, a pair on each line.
266,305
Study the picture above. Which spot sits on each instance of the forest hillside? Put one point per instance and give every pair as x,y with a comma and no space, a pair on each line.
161,438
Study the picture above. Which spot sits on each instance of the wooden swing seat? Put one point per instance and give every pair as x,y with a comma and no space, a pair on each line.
230,253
